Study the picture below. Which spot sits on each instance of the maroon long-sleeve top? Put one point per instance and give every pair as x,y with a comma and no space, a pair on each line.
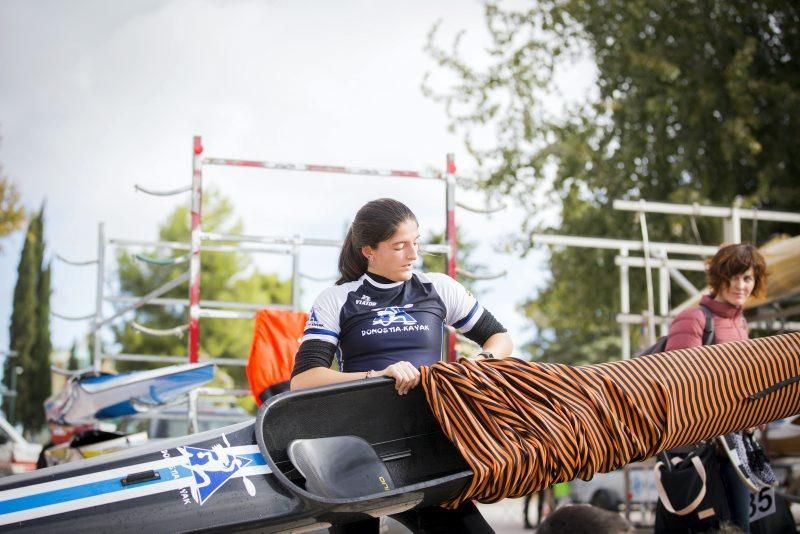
686,329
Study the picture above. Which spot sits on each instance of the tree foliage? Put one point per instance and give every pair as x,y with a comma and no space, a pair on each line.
30,332
224,276
32,409
22,329
12,214
693,101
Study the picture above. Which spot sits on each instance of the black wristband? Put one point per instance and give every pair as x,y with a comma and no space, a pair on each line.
486,354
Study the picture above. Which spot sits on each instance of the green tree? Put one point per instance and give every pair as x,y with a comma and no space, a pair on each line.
30,332
224,276
695,101
22,330
31,410
12,214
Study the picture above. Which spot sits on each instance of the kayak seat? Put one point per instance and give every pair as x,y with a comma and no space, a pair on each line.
340,467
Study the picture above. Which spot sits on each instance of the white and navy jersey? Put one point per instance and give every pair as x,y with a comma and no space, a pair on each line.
375,324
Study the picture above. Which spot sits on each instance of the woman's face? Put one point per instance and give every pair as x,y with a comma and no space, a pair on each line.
739,288
395,257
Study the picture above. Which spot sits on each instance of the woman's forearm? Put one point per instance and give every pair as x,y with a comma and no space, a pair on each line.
500,345
322,376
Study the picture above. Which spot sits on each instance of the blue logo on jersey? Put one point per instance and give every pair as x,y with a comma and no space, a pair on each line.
313,321
392,315
213,468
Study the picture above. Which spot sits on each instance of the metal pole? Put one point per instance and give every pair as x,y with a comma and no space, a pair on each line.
221,304
174,245
194,262
98,313
309,242
451,239
651,330
683,281
191,410
736,221
225,314
705,211
296,273
126,357
640,318
686,265
625,304
663,297
169,286
615,244
312,167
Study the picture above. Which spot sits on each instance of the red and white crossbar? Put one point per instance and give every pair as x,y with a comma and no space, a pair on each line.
310,167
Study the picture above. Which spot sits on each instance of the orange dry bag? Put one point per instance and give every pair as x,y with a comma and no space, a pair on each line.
275,342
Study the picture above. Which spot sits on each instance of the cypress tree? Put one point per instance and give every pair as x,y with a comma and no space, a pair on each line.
39,373
22,331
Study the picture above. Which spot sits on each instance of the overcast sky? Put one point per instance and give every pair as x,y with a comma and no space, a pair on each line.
96,96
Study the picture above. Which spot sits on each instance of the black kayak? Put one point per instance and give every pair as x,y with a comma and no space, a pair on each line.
310,459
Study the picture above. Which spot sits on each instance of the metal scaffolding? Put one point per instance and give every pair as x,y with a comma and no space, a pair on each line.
199,237
657,255
190,254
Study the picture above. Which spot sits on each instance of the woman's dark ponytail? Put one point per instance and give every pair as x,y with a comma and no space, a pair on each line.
376,221
352,263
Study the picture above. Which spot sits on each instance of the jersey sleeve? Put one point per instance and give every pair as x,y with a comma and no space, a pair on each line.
462,308
323,319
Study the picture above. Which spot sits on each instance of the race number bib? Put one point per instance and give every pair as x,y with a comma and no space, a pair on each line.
762,504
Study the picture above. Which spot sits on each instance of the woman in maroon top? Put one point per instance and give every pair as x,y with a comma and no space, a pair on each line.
734,273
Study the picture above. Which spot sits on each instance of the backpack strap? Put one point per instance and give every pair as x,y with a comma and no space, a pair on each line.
708,330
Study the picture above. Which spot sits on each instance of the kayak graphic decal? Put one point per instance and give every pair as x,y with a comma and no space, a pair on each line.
104,487
213,468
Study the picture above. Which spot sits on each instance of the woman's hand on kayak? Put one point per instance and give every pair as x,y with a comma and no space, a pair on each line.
406,376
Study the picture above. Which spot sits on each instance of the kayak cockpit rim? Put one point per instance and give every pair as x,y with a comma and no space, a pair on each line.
451,480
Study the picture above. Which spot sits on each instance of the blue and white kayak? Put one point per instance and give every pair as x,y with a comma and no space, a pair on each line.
89,397
242,477
174,486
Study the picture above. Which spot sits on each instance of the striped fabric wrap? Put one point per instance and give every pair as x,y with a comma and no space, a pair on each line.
525,426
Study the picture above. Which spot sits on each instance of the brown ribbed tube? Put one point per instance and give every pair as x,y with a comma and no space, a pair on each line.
525,426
